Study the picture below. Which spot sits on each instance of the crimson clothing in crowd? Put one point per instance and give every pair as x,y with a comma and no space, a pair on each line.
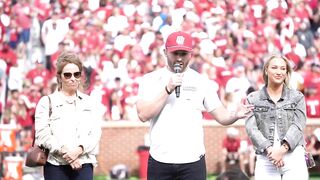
22,12
25,120
43,8
39,72
301,11
294,58
313,106
9,56
104,12
33,96
224,74
279,13
259,46
204,5
312,80
231,144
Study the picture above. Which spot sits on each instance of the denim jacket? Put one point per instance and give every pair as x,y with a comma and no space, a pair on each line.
288,114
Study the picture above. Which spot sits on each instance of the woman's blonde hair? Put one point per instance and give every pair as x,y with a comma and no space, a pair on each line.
288,66
65,58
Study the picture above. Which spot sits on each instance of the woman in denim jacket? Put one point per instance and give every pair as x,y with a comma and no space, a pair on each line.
277,124
72,132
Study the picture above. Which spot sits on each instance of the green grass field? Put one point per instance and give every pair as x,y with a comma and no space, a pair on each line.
210,177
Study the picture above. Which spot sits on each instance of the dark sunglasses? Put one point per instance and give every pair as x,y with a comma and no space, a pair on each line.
68,75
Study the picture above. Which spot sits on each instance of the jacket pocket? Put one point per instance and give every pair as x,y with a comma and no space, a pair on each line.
261,113
261,109
290,107
289,111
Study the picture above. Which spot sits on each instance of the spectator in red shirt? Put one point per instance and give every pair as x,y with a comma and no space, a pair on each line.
39,71
22,13
18,110
230,148
312,103
43,10
277,9
302,10
312,78
8,55
258,48
104,11
257,9
31,94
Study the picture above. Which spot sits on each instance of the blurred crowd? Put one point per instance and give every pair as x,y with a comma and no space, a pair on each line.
237,152
119,40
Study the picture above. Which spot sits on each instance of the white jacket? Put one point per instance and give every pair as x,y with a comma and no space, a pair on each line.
69,125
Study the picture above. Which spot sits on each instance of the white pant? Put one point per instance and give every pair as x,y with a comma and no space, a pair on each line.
294,167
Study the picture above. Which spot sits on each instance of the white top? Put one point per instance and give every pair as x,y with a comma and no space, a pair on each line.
176,134
70,125
52,37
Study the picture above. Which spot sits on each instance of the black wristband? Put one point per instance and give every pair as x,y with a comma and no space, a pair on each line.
168,92
284,142
81,147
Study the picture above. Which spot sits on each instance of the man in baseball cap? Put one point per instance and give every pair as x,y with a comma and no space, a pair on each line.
178,50
177,148
179,41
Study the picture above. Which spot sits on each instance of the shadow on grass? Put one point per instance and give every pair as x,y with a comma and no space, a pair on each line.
210,177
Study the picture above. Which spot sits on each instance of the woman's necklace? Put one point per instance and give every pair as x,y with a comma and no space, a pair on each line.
70,99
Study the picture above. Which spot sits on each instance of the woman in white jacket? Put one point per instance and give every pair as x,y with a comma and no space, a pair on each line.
72,131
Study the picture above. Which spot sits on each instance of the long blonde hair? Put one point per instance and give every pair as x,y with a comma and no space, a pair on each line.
288,66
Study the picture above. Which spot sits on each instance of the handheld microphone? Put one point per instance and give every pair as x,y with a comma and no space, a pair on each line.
177,69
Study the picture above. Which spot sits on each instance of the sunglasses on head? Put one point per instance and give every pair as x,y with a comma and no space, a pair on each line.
68,75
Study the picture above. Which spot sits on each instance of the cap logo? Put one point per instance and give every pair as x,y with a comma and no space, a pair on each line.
180,40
